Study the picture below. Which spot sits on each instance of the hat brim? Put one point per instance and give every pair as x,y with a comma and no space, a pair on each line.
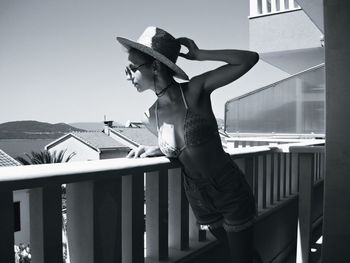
179,73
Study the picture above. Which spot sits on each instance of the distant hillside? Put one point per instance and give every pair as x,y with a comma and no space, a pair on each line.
34,130
91,126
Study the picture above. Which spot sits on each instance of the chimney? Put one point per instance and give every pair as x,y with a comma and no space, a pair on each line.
108,124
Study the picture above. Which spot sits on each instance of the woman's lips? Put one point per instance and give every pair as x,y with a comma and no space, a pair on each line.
137,86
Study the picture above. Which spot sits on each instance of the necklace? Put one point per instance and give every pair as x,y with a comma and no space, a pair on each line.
162,92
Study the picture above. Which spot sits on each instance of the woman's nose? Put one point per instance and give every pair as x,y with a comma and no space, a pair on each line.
129,75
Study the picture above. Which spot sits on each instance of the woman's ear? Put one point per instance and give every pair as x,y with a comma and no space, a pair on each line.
155,66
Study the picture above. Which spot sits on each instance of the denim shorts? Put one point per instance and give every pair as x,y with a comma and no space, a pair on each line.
225,196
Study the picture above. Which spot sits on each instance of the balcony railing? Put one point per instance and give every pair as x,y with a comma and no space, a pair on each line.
105,207
267,7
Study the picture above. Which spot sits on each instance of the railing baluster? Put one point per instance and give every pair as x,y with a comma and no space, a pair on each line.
283,175
282,5
107,219
263,181
306,171
254,7
279,175
268,179
178,212
133,218
256,182
322,165
80,223
7,227
287,172
264,6
272,176
290,191
273,6
290,4
318,167
294,172
46,224
157,214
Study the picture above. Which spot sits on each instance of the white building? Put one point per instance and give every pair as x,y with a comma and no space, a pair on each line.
89,146
21,204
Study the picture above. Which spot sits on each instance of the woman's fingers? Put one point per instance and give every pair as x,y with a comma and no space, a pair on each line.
130,154
184,41
140,150
183,55
187,42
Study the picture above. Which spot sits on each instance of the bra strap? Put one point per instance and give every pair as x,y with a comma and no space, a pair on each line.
183,97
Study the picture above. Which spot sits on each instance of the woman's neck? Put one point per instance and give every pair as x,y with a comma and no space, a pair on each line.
166,90
171,94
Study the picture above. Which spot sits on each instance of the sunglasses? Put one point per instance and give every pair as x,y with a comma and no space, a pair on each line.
132,69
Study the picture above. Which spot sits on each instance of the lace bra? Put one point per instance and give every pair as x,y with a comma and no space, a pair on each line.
197,130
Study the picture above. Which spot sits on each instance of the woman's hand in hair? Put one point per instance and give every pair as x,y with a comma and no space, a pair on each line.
192,53
144,151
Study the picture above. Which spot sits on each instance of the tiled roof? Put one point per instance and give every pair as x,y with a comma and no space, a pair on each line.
98,140
139,135
7,160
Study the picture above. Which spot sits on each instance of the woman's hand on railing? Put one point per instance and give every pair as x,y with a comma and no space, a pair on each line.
144,151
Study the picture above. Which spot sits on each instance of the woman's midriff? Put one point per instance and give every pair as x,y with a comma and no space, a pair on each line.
202,161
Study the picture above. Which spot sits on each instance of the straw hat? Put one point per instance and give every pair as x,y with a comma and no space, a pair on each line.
159,44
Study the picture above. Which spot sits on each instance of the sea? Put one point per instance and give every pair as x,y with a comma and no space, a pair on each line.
17,147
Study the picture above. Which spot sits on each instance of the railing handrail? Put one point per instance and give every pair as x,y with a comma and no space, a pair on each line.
259,139
275,83
21,177
30,176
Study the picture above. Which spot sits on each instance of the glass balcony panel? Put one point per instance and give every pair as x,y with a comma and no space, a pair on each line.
295,105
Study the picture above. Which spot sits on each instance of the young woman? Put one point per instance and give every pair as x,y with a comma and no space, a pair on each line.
186,127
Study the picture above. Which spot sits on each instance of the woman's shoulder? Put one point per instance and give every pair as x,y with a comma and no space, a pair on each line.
194,93
149,113
149,118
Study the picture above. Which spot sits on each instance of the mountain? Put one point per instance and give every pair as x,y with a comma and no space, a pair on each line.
91,126
34,130
88,126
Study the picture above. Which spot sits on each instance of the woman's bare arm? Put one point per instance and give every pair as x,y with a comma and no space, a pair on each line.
146,150
238,63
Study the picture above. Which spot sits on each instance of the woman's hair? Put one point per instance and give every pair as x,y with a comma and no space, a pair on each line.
149,59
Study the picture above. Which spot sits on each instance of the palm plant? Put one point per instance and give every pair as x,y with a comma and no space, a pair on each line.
45,156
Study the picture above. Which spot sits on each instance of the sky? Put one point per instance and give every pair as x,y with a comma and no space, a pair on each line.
60,61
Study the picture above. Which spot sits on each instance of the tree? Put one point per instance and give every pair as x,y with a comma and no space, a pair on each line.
45,156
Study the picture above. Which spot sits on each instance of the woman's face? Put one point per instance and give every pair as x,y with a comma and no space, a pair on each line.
139,72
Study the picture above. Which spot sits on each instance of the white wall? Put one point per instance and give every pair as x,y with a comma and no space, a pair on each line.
83,152
285,31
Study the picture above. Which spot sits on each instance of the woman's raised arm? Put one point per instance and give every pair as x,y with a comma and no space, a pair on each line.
238,63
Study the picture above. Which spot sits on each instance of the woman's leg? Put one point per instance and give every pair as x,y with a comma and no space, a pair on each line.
241,245
220,233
